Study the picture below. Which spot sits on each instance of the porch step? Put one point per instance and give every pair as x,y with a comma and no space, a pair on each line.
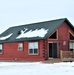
54,60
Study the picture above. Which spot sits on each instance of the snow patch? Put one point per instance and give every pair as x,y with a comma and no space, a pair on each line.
35,33
5,37
23,31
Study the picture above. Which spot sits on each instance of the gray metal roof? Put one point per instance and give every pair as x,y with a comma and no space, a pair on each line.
50,25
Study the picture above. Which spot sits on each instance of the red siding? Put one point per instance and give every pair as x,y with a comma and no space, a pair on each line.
11,52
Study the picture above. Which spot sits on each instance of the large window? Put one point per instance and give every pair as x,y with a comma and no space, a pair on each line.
20,46
33,48
71,46
1,48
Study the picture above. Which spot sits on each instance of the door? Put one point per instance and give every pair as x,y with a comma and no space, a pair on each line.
52,50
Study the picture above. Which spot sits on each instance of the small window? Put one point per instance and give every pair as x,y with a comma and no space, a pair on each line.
20,46
1,48
53,36
71,46
33,48
71,37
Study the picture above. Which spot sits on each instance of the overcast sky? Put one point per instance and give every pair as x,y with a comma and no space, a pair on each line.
18,12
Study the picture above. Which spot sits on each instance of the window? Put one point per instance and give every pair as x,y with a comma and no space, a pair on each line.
71,46
20,46
71,37
33,48
53,36
1,48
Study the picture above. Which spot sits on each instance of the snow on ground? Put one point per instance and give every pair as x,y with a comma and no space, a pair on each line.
6,37
36,68
35,33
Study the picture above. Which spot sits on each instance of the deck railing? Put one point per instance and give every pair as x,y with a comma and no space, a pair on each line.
66,55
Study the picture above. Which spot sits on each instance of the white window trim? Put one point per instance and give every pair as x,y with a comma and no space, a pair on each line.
33,50
1,49
18,47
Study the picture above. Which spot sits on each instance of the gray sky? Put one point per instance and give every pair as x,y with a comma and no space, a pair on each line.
17,12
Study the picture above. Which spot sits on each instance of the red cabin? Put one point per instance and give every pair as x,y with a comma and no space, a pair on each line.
37,41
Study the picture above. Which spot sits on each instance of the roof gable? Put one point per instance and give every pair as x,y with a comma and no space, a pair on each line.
35,31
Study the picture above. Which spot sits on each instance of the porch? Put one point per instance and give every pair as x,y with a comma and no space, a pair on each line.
65,56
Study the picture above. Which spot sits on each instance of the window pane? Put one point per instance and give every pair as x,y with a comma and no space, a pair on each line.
53,36
0,46
20,48
30,45
71,45
20,44
35,45
35,51
0,51
31,51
